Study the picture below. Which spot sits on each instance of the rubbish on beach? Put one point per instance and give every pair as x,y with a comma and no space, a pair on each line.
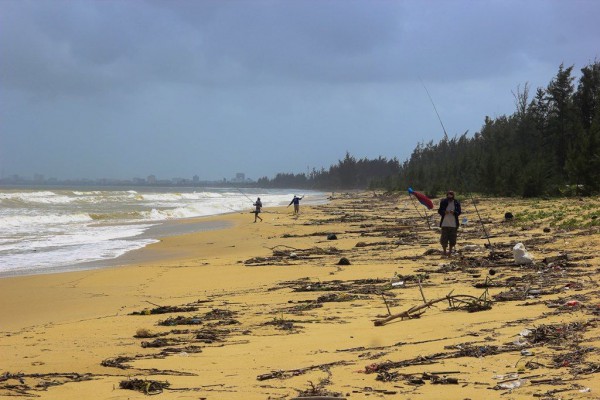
117,362
556,259
510,385
39,382
318,392
332,236
343,261
455,302
159,343
431,252
164,310
285,374
525,332
281,255
472,247
521,255
506,377
337,298
520,341
148,387
144,333
180,320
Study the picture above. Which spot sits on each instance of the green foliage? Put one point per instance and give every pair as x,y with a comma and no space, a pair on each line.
549,146
348,173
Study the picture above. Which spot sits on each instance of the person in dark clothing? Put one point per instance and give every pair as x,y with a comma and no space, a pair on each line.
296,202
258,205
449,211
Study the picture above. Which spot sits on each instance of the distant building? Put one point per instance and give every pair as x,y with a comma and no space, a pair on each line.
240,177
180,181
196,179
151,179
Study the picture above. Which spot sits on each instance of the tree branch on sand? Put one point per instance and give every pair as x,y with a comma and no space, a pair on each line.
455,302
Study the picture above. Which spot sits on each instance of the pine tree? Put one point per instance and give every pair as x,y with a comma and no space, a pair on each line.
561,117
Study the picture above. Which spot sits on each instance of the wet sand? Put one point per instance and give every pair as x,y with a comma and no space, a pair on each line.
266,312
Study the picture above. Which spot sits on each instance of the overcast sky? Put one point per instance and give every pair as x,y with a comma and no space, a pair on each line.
176,88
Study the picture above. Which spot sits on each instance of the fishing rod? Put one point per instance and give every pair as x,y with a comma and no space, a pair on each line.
434,107
420,215
464,183
479,216
252,201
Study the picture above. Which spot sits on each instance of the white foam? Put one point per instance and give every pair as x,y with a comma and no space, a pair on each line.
37,220
44,197
71,255
48,229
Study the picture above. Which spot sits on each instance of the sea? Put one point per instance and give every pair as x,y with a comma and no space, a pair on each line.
44,230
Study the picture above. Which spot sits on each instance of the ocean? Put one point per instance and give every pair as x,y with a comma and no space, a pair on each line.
64,229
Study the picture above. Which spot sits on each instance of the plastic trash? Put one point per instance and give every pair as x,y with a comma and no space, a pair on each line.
511,385
521,255
399,283
472,247
520,341
503,377
525,332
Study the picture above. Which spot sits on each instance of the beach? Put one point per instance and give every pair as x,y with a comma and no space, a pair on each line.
267,311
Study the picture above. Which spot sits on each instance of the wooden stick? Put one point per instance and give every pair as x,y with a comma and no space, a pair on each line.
386,304
421,290
408,313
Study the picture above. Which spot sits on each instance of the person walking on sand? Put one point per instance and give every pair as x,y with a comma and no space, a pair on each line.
258,205
296,202
449,210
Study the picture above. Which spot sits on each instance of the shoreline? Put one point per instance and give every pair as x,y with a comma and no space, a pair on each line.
273,310
112,236
156,232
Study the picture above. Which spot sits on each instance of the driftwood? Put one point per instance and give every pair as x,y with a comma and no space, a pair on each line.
457,301
281,374
148,387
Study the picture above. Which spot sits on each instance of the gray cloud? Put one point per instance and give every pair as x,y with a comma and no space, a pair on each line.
175,88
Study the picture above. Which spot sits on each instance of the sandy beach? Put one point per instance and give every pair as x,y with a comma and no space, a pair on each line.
265,311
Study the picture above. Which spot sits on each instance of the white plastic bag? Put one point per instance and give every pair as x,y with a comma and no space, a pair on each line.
521,255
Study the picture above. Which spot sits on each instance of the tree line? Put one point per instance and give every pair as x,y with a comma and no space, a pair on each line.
550,145
348,173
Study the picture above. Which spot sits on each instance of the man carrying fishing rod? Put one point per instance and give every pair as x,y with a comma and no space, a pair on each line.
258,205
449,210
